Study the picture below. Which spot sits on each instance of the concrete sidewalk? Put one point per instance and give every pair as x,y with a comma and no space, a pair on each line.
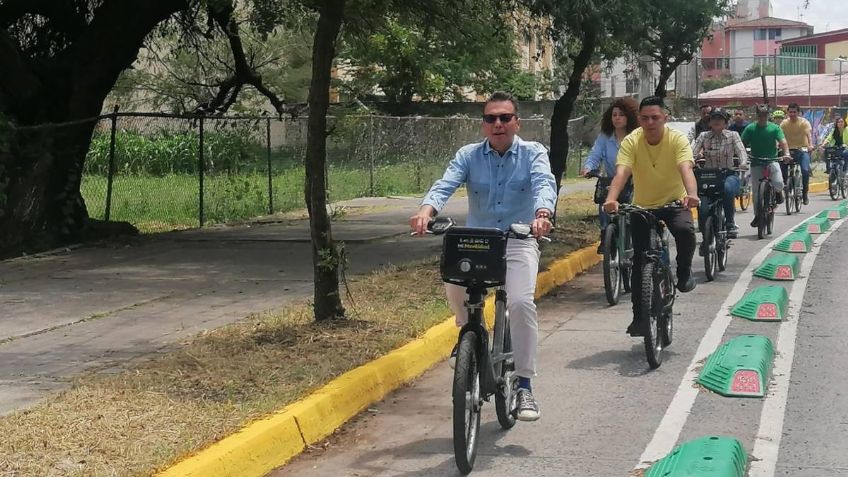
97,307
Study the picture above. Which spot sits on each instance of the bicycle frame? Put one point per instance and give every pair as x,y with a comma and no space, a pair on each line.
487,361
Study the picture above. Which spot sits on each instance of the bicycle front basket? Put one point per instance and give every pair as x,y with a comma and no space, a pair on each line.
710,181
474,257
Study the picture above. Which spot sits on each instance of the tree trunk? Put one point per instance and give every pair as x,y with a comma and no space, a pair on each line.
41,205
48,100
564,106
666,70
325,255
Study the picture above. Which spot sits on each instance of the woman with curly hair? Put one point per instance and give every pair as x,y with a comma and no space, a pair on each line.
617,122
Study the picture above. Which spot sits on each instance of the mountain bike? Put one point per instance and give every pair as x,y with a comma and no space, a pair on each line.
475,258
837,183
617,249
655,298
793,187
715,242
766,201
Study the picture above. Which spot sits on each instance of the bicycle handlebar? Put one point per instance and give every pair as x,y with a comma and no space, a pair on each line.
440,225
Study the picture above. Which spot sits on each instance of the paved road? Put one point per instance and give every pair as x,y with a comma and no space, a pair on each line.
604,413
98,307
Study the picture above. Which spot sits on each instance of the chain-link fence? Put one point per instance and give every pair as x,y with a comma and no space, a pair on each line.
161,172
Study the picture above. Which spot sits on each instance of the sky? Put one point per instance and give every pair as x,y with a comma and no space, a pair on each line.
823,15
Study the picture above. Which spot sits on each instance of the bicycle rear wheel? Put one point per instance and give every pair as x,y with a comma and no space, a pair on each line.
612,264
744,200
650,309
466,403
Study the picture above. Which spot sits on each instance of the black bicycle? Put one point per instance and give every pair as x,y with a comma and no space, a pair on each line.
715,236
475,258
837,183
655,298
617,247
766,201
792,185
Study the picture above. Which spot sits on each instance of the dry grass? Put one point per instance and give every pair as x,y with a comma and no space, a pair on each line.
142,419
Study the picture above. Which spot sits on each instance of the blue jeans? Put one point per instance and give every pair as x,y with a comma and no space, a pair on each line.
803,159
731,188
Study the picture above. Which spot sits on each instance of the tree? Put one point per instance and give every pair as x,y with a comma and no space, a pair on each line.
406,58
671,32
585,32
710,84
60,61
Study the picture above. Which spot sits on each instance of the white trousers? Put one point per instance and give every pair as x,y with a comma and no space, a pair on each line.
522,265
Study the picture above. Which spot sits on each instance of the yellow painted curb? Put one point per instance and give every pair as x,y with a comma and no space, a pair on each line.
818,187
268,443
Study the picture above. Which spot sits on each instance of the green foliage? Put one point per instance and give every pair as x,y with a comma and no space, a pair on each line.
167,152
672,32
409,57
756,70
716,83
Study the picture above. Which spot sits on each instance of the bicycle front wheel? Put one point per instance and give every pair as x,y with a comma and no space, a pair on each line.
799,191
709,249
612,264
650,308
833,185
505,397
789,195
761,208
466,403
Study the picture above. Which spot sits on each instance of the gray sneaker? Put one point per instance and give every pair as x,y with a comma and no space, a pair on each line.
528,408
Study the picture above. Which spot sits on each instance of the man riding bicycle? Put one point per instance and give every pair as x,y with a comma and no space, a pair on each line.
509,181
660,160
763,137
799,134
717,148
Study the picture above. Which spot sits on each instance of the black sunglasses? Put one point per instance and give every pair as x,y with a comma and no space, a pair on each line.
491,118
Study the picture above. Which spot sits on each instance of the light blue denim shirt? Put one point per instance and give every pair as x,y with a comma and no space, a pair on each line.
502,190
603,153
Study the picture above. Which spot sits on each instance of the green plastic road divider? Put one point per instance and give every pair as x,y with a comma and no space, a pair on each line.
765,303
740,367
780,266
834,213
712,456
270,442
796,242
816,225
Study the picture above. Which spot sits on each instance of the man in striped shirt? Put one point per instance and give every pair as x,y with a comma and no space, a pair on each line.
717,148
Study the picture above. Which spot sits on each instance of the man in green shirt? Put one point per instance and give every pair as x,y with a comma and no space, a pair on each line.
763,137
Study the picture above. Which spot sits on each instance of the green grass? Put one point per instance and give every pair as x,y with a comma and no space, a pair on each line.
158,203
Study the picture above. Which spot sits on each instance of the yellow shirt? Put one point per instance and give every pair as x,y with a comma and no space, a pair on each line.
796,132
656,177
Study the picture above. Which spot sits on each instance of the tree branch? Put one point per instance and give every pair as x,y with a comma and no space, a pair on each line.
244,74
62,14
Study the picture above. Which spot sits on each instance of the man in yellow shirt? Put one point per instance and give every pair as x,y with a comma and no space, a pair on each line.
799,133
660,160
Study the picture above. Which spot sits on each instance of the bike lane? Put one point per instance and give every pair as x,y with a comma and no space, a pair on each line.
601,406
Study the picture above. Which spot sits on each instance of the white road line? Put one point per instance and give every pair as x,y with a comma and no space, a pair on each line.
667,433
767,442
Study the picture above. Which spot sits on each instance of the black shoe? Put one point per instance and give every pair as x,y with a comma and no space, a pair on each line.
806,200
685,283
778,198
635,329
755,222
